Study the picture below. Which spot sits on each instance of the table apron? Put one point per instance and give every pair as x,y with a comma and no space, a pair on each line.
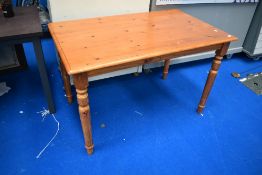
152,60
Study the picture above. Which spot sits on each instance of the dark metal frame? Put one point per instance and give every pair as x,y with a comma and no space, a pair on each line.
41,67
20,56
253,32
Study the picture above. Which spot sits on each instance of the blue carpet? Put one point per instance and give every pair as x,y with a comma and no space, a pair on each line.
151,126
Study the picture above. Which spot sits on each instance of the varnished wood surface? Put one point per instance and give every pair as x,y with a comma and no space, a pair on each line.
166,67
212,76
24,24
67,85
97,44
81,84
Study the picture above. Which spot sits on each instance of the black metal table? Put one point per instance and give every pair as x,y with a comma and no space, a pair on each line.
25,27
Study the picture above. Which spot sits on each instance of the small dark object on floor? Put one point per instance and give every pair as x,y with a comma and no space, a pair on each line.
235,75
253,82
136,74
147,71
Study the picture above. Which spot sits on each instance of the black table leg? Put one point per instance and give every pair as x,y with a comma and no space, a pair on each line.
43,74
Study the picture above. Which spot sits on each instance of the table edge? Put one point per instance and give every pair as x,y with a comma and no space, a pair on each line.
101,66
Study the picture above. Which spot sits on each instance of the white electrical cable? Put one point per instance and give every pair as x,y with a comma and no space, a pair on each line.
44,113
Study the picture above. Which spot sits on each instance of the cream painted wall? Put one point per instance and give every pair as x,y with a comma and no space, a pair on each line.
67,9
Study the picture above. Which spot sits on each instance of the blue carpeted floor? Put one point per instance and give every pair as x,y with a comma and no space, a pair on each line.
151,126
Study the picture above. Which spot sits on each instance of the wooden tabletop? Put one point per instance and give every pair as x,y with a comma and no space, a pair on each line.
92,44
25,23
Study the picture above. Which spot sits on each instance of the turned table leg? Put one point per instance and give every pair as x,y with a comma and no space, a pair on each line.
81,85
166,67
212,75
67,85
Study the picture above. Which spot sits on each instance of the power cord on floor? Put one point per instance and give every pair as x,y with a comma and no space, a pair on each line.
44,113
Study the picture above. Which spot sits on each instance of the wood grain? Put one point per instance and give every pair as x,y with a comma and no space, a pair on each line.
95,46
150,60
166,67
67,85
90,45
81,84
212,76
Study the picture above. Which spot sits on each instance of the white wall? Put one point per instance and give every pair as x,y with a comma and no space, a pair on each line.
164,2
76,9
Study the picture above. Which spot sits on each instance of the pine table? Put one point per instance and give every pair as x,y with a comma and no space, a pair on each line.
90,47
